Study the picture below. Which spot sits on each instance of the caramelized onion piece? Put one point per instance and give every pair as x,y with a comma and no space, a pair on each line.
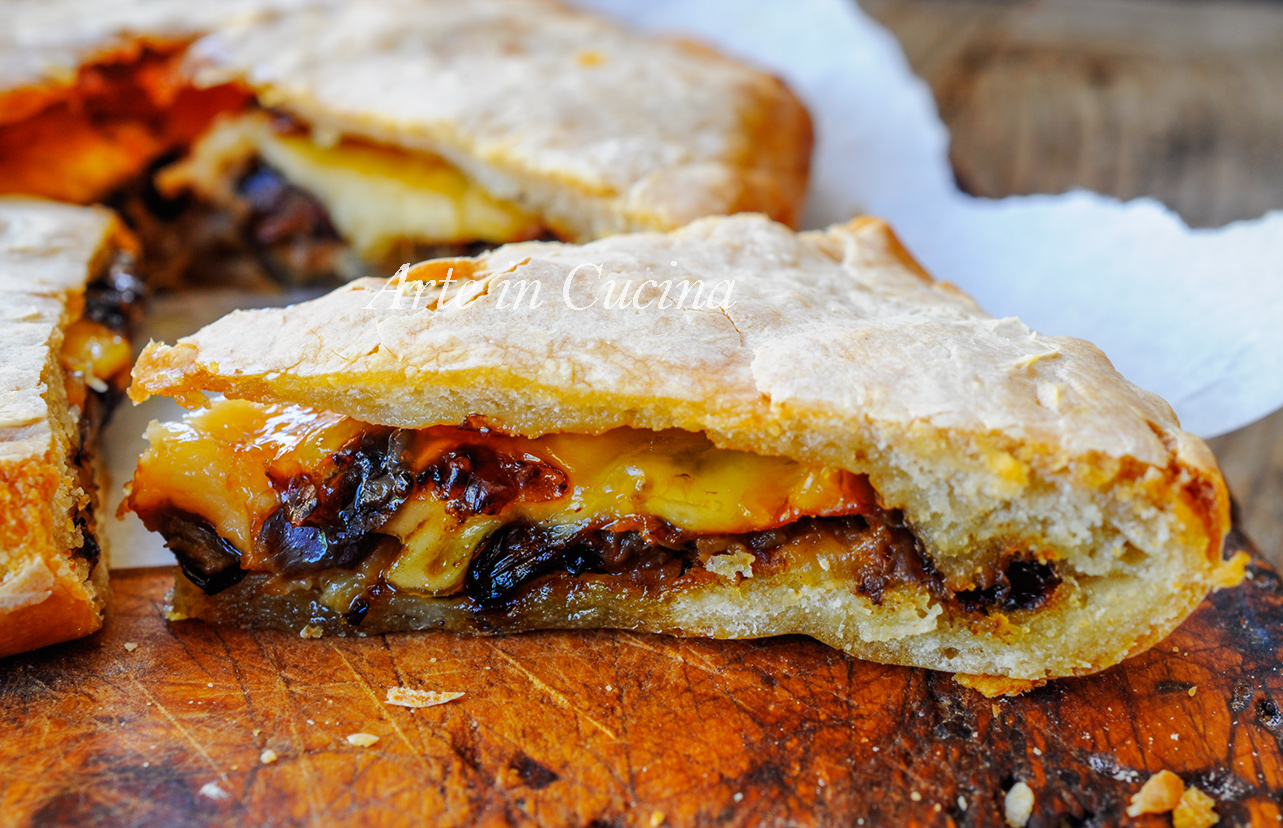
208,561
476,479
1022,585
519,553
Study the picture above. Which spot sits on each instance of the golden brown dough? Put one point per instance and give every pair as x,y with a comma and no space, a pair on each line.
50,589
835,349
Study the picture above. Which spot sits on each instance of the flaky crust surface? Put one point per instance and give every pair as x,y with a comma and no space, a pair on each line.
47,254
597,128
836,349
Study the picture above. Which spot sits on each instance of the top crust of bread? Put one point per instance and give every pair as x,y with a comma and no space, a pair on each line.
836,349
48,252
595,127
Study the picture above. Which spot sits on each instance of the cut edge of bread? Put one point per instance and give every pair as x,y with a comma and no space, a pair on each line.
48,592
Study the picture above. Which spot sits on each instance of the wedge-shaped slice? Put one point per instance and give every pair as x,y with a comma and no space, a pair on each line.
730,430
590,126
329,139
68,300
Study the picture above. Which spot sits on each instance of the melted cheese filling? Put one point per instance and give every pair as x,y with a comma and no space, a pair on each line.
94,357
228,464
377,197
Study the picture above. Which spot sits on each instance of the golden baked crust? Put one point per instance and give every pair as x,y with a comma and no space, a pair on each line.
836,349
47,254
594,127
590,125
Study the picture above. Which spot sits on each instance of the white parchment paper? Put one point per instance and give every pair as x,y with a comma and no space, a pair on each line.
1194,315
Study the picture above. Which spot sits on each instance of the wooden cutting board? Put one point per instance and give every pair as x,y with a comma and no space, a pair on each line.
614,728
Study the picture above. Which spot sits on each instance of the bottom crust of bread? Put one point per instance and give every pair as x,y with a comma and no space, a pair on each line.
1093,624
72,608
52,597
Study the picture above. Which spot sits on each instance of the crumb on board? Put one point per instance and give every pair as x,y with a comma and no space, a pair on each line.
1164,791
409,697
915,796
362,739
1018,804
994,686
1160,793
130,646
1193,689
311,631
267,757
210,790
1195,810
656,819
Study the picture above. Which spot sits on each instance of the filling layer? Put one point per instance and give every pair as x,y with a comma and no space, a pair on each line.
97,354
97,349
222,191
377,197
260,200
473,513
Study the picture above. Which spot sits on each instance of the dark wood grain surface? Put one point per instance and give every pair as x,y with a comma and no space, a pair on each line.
1177,99
616,729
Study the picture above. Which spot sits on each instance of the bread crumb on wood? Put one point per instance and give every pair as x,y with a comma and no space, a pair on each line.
210,790
994,686
409,697
362,739
267,757
1195,810
130,646
311,631
1018,804
656,819
1160,793
1193,689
